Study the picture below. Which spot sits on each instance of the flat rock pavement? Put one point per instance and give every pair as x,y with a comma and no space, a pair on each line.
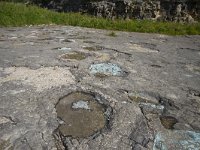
121,90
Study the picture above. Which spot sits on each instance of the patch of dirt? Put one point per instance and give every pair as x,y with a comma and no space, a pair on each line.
168,121
41,79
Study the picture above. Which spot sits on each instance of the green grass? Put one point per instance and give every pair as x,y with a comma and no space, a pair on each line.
17,14
113,34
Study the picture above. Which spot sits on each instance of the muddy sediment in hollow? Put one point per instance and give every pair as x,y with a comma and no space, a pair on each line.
168,121
81,114
74,56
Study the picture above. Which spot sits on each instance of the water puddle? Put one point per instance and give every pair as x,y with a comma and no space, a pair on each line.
81,115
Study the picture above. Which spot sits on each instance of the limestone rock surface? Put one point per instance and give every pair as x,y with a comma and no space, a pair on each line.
161,10
146,86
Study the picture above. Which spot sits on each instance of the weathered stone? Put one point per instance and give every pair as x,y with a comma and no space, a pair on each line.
170,10
144,97
4,120
182,126
183,140
64,49
140,134
151,108
29,95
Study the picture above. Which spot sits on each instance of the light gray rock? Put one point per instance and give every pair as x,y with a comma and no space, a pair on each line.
166,78
106,68
151,108
183,140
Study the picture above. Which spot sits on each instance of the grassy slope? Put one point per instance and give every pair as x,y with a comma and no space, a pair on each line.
15,14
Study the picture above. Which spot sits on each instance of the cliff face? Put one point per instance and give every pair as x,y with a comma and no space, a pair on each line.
165,10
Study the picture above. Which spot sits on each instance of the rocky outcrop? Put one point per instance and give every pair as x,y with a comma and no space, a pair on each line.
163,10
166,10
60,5
64,87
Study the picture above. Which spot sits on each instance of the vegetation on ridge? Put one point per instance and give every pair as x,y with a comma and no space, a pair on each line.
17,14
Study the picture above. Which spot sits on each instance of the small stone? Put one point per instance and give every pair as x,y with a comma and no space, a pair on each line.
64,49
139,139
142,97
4,120
70,40
151,108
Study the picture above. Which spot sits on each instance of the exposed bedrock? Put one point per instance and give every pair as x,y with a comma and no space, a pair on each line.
74,88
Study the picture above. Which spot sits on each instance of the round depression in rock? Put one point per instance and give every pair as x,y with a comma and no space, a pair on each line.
73,56
106,69
81,114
